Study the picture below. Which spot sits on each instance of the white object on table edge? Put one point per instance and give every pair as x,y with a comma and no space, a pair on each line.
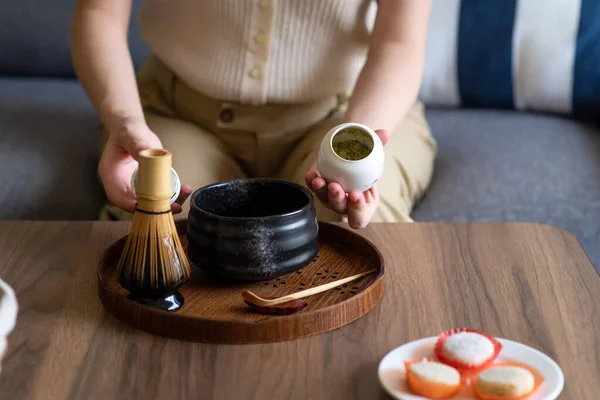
8,314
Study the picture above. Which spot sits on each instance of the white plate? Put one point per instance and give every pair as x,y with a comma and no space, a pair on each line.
392,374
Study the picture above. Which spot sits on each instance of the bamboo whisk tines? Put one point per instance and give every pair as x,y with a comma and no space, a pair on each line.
153,263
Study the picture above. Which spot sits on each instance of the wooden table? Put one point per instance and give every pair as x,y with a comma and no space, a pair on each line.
525,282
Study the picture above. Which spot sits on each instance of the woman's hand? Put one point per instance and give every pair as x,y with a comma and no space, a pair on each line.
119,160
104,68
358,206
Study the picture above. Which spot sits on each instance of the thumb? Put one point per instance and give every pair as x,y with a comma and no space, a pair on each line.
384,135
135,143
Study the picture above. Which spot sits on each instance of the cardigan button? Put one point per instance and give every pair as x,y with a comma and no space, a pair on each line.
226,115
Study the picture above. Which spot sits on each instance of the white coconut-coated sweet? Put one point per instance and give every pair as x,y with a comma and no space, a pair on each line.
468,347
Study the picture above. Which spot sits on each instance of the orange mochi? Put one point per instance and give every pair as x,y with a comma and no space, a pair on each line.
432,379
509,380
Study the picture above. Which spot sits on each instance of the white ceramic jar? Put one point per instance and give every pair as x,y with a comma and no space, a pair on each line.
353,175
174,177
8,315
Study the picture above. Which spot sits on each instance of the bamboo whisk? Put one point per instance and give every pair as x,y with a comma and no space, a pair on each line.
153,262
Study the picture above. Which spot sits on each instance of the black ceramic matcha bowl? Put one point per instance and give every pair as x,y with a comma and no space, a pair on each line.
252,229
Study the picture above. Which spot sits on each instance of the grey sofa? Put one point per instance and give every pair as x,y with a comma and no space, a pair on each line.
493,165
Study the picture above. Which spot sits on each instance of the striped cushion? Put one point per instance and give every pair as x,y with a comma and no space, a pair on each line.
541,55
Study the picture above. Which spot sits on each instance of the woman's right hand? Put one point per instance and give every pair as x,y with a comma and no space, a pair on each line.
119,160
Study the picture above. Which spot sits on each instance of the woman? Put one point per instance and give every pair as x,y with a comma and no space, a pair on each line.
239,88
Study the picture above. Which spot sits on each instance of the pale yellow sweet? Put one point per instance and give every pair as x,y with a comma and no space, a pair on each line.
435,372
505,381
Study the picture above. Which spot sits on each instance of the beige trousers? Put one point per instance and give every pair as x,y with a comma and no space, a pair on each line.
213,141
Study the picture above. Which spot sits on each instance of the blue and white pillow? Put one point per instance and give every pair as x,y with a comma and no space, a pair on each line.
540,55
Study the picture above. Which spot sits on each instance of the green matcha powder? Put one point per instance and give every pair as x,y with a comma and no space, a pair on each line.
351,150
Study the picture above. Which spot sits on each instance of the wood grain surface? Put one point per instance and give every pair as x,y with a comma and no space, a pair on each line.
214,311
525,282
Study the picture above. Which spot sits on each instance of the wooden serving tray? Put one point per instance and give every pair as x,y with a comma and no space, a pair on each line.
214,311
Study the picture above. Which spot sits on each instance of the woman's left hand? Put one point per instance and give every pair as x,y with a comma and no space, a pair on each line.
358,206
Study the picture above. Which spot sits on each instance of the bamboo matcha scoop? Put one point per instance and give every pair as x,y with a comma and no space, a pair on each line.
292,303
